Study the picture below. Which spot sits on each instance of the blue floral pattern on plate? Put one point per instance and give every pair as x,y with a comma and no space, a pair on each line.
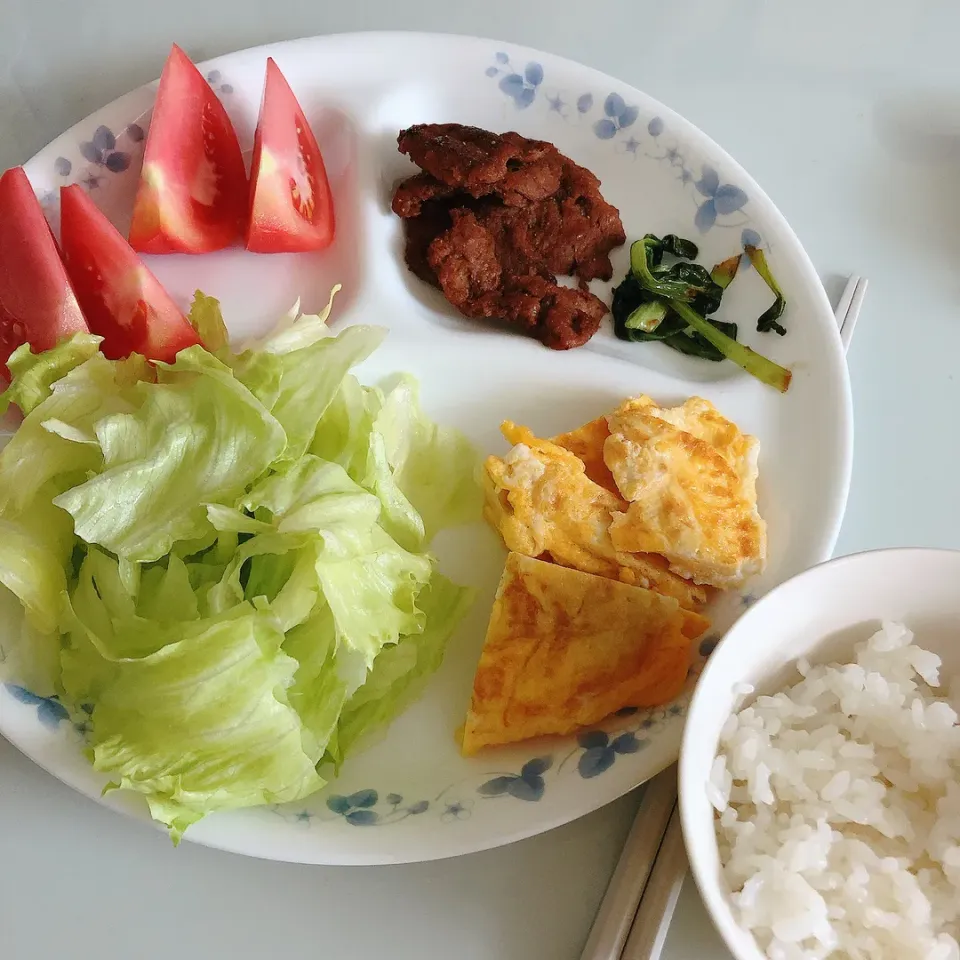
717,204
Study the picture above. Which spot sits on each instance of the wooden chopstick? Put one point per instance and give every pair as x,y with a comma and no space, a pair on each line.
626,888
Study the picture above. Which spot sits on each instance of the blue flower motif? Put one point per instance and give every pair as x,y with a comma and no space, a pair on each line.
618,117
655,127
722,199
226,88
527,785
457,810
747,601
522,88
303,816
62,166
355,809
556,104
600,752
585,103
213,76
101,150
50,711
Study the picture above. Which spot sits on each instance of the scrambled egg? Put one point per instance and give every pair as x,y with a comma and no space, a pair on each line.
543,503
690,478
565,649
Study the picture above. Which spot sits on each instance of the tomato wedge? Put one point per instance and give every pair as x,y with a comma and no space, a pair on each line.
122,300
37,303
291,207
192,195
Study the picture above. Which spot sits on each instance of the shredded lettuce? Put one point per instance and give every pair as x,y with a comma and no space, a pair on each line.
222,561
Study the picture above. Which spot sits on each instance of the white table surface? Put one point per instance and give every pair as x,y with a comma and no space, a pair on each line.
848,114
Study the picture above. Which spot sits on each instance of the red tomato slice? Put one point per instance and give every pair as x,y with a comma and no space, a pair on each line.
192,195
291,207
122,300
37,303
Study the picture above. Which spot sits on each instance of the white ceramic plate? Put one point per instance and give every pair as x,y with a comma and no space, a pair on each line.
412,797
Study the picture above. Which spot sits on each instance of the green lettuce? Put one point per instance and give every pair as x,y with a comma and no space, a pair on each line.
221,561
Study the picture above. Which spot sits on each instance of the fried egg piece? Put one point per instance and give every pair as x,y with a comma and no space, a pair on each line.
564,649
690,478
586,444
544,505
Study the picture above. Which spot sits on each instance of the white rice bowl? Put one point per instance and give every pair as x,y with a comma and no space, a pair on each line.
838,809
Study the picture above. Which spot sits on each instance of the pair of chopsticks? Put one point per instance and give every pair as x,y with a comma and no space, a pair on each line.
634,917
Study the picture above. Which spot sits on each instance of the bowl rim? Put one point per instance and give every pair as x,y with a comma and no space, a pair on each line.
711,893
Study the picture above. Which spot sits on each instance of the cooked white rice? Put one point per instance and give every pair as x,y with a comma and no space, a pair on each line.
838,809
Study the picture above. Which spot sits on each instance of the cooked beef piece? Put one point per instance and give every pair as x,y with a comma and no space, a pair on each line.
493,218
415,191
479,162
465,261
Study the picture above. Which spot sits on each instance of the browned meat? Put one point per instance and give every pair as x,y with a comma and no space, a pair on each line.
479,162
466,264
415,191
492,220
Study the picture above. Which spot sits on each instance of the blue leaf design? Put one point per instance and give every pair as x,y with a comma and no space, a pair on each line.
626,743
655,127
338,804
585,103
51,712
23,695
533,768
363,798
90,151
614,105
534,73
394,799
512,85
213,76
709,181
629,117
103,138
502,57
750,238
595,761
420,806
527,789
729,199
362,818
135,132
706,216
117,162
62,166
495,787
226,88
593,738
526,97
605,129
491,71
